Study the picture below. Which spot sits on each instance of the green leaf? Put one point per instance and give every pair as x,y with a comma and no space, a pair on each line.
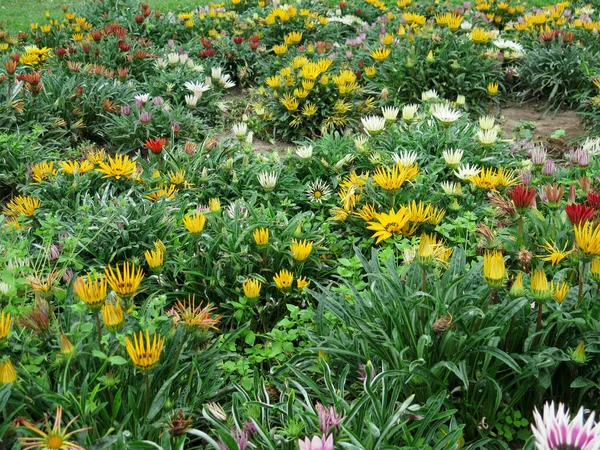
99,354
105,442
250,338
160,397
117,360
4,395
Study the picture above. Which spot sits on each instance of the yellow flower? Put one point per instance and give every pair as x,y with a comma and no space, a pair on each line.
71,167
293,37
302,283
494,269
274,81
386,225
559,291
7,373
214,204
280,49
54,438
195,318
392,179
381,54
492,88
588,238
370,71
261,236
595,269
112,315
168,193
194,223
22,205
517,289
154,258
308,85
95,156
540,289
486,179
117,167
5,322
252,288
43,171
555,255
290,103
425,250
43,285
145,350
366,212
124,282
309,109
283,279
480,36
91,291
66,346
301,249
77,37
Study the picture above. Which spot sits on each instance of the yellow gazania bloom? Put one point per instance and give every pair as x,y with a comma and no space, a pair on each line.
214,204
344,77
124,282
324,64
112,316
34,25
154,258
145,350
286,72
386,225
308,85
95,156
168,192
480,36
309,109
274,81
73,166
540,288
160,246
492,88
280,49
555,255
43,171
177,178
507,178
194,223
596,81
486,179
387,39
381,54
66,346
436,215
293,37
5,322
290,103
117,167
494,269
77,37
7,373
283,279
22,204
300,93
392,179
338,214
425,249
324,80
559,291
370,71
261,236
517,289
301,249
595,269
194,317
43,285
55,438
299,61
367,212
91,291
252,288
588,238
419,212
302,282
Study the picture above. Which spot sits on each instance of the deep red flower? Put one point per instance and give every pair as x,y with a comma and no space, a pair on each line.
97,35
238,40
139,19
156,145
579,214
206,42
123,46
210,52
60,51
33,78
593,200
146,12
521,196
15,57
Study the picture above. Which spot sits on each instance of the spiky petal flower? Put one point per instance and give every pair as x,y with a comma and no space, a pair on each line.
283,279
494,269
328,418
318,191
7,373
118,167
5,322
91,291
125,280
445,114
553,430
373,124
301,249
194,317
252,288
268,180
316,443
55,437
145,351
579,214
386,225
588,238
522,197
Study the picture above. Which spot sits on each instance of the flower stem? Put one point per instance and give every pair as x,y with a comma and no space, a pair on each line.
147,394
538,326
581,277
520,237
424,283
99,329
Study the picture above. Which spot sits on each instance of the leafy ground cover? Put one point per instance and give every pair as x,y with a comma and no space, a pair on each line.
400,272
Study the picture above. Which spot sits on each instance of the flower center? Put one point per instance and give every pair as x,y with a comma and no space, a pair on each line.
318,194
55,443
392,227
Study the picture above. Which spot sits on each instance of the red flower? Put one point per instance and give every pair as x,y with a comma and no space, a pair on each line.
210,52
521,196
60,51
139,19
156,145
123,46
238,40
33,78
593,200
579,214
206,42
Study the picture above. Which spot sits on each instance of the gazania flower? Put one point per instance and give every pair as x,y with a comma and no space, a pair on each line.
517,289
301,249
125,280
66,346
373,124
409,112
55,437
559,291
156,145
452,157
494,269
487,122
486,179
71,167
540,289
43,285
487,137
522,197
381,54
467,171
154,258
390,113
283,279
268,180
43,171
392,179
318,191
194,223
194,317
445,113
588,238
555,430
144,351
8,373
304,152
22,205
5,322
91,291
252,288
302,282
316,443
261,236
196,87
112,315
168,193
555,255
579,214
386,225
405,158
118,167
240,130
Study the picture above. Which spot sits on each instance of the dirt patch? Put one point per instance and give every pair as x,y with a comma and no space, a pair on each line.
545,125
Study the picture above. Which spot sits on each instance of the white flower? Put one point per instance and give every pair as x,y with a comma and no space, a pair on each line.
591,146
197,87
452,157
429,95
142,97
191,100
173,58
4,287
250,137
318,191
460,100
409,111
556,430
445,113
405,158
240,130
487,122
304,152
450,187
390,113
183,58
360,142
345,160
409,255
190,64
467,171
487,137
226,81
216,72
373,124
268,180
466,25
160,63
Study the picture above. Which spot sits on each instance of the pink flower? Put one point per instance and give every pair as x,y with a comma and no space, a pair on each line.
317,443
556,430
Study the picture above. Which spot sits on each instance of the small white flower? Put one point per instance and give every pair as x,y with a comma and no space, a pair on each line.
226,81
450,187
487,137
466,171
240,130
487,122
197,87
591,146
460,100
191,100
216,72
345,160
373,124
304,152
445,113
142,97
173,58
4,288
190,64
429,95
452,157
250,137
466,25
183,58
409,111
268,180
390,113
409,255
160,63
405,158
318,191
360,142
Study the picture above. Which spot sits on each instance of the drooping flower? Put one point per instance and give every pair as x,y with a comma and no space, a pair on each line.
554,430
145,350
55,437
301,249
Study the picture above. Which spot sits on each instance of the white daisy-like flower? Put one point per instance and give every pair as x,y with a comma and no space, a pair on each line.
240,130
409,112
429,95
450,188
191,100
4,288
554,430
445,113
466,171
160,63
216,72
360,142
173,58
142,97
487,122
390,113
190,64
226,81
305,151
453,157
405,158
487,137
318,191
466,25
591,146
197,87
268,180
373,124
183,58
